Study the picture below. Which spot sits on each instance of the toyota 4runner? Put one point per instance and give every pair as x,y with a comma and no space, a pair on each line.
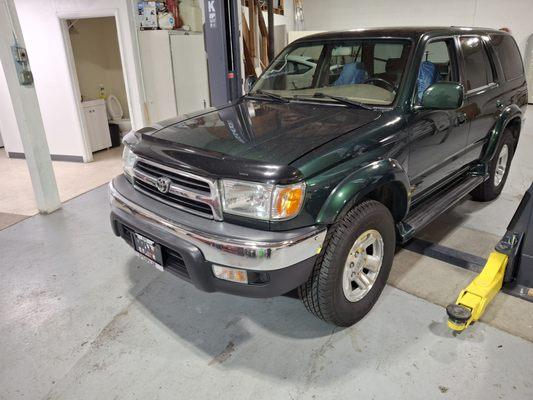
348,143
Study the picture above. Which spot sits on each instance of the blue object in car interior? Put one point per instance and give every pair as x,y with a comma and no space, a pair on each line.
351,74
427,76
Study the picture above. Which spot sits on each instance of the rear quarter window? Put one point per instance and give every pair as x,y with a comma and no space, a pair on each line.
478,68
507,52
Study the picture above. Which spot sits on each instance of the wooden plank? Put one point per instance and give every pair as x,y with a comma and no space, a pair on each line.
270,14
245,29
252,18
262,24
264,51
248,60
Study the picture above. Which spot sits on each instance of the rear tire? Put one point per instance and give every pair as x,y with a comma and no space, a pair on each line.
348,277
498,170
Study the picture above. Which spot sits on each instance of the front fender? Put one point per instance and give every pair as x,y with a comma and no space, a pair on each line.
360,183
510,112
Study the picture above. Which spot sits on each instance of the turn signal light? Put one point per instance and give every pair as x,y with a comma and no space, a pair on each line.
230,274
287,201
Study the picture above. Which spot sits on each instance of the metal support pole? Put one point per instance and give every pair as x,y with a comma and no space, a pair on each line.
270,11
222,45
19,79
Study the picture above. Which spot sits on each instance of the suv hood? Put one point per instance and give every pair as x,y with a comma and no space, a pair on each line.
251,134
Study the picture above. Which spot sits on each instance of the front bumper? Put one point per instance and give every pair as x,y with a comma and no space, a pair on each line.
281,261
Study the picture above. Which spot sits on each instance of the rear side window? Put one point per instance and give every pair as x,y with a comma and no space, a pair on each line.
509,56
384,54
478,69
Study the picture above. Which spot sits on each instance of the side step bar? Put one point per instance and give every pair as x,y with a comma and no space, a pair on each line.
437,205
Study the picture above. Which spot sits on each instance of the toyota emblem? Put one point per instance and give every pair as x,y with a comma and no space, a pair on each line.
163,184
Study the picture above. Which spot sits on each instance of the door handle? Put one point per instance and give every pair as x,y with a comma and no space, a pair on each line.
499,104
461,118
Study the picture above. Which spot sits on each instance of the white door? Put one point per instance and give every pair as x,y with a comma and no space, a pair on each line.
97,124
102,127
90,123
156,62
189,63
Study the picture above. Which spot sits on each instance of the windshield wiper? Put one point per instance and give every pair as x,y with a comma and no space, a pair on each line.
341,99
273,96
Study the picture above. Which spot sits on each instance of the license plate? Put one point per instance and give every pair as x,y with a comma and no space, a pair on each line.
150,250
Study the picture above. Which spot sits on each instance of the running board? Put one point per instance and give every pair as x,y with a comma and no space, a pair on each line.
438,204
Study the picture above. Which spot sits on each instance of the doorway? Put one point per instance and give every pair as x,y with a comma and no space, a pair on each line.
99,80
1,142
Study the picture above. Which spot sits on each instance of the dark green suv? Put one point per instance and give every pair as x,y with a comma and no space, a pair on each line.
349,143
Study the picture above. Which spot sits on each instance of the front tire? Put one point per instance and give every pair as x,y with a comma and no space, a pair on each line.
498,170
352,268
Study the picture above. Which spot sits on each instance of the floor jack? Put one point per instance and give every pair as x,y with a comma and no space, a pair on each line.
509,266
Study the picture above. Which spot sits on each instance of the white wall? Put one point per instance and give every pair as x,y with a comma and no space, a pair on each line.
349,14
97,57
40,21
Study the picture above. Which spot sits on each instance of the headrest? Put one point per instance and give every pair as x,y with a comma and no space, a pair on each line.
393,65
341,51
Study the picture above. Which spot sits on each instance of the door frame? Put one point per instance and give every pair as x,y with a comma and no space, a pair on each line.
62,20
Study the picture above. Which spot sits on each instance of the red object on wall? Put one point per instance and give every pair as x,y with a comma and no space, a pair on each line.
173,7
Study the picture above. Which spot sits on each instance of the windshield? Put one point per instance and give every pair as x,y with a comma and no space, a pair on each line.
366,71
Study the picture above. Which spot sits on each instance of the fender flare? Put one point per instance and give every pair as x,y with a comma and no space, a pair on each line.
360,183
509,113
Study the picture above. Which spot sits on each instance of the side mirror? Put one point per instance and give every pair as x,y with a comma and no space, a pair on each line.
443,96
249,83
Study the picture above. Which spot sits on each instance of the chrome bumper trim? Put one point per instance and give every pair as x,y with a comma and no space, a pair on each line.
229,251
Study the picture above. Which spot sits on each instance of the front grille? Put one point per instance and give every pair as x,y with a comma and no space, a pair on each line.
127,235
172,198
174,263
188,192
179,179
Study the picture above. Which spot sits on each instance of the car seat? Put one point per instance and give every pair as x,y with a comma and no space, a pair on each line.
351,74
427,76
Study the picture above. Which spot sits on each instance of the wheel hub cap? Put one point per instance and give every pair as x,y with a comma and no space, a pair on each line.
501,165
362,265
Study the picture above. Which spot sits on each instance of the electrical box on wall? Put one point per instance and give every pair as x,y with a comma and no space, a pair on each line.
22,64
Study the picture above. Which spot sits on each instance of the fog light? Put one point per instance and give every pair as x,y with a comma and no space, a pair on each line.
230,274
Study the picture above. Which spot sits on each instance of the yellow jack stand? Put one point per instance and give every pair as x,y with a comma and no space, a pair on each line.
473,300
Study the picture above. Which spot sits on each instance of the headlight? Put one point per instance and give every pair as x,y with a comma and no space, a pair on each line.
262,201
128,161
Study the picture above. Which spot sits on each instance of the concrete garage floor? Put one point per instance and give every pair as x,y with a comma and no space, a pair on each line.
73,178
83,318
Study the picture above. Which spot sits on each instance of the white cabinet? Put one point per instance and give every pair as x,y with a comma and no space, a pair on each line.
156,63
191,82
174,69
94,112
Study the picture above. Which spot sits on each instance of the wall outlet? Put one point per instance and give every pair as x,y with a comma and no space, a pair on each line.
25,77
20,55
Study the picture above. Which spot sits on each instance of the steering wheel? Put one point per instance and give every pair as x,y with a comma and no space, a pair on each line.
374,81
